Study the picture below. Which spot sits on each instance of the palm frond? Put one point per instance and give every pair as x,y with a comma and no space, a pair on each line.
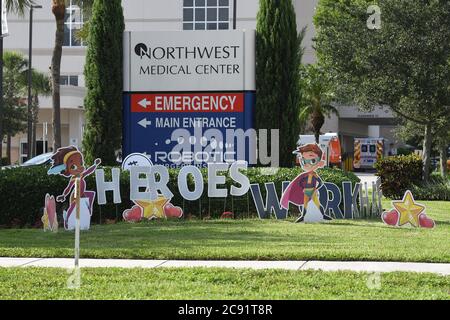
18,6
328,109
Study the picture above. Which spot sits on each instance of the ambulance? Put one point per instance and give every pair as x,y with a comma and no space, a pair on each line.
367,152
330,145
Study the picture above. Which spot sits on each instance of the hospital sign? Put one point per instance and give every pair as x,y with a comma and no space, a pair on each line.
175,79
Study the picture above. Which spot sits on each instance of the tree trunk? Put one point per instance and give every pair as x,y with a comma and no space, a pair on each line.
443,156
8,149
33,138
1,149
317,121
58,10
427,142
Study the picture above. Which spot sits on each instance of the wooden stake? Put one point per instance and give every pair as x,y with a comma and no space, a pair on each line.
77,225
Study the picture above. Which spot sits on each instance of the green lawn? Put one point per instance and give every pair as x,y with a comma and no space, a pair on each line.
244,240
40,283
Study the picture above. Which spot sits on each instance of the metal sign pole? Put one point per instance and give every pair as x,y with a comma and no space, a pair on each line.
31,147
234,14
77,225
1,82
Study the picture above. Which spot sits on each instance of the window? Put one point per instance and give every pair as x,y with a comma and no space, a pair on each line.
73,21
206,14
69,81
364,148
23,152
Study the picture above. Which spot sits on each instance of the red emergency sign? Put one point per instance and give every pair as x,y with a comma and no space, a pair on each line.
188,102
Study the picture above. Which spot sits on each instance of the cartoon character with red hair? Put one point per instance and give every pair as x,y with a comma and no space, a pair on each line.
69,162
303,191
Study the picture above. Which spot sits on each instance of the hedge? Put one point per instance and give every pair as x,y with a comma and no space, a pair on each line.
398,174
402,173
22,192
437,189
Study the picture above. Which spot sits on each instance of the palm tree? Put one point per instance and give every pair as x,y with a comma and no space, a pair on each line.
41,87
59,11
15,113
317,96
18,7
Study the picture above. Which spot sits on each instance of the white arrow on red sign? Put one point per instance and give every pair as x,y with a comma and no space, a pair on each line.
144,123
145,103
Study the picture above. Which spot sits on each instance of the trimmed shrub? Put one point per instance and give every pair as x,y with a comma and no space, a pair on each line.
437,189
399,174
104,82
22,193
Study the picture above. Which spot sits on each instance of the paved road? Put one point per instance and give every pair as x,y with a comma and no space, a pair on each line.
371,267
367,177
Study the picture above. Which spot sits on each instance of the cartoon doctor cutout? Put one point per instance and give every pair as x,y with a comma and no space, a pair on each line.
69,163
303,191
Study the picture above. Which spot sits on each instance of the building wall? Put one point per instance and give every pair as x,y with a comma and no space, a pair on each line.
139,15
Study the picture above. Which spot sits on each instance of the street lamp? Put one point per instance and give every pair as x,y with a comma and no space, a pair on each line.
31,145
234,14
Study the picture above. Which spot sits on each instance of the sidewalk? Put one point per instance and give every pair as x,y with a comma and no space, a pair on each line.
358,266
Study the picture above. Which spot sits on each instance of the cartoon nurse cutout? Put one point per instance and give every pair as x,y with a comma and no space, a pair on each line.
69,163
304,190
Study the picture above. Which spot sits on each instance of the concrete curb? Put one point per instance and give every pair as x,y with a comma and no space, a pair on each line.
357,266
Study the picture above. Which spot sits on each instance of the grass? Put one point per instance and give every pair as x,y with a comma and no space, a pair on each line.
360,240
223,284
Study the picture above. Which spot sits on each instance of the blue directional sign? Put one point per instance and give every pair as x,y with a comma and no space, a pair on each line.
150,120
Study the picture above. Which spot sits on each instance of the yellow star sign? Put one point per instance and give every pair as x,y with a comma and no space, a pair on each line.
153,209
409,210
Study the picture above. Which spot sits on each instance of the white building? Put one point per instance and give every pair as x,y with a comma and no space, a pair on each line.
142,15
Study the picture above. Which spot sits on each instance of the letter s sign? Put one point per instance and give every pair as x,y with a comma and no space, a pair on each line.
374,20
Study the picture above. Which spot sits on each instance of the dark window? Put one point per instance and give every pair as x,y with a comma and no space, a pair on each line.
199,15
373,148
188,26
188,15
199,26
223,14
223,26
206,15
364,148
73,22
211,26
212,14
69,81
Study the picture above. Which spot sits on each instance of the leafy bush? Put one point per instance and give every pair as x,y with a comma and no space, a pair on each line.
22,192
437,189
4,162
404,151
402,173
399,174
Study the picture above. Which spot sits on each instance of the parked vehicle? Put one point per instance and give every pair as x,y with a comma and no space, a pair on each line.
367,152
40,160
329,143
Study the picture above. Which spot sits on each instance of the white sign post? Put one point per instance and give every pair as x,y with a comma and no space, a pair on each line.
77,225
